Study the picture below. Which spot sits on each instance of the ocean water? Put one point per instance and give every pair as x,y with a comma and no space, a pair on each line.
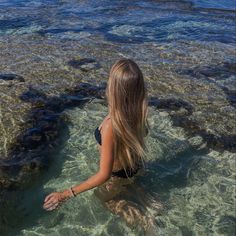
186,50
194,186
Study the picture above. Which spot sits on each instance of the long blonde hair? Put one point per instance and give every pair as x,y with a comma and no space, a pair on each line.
127,101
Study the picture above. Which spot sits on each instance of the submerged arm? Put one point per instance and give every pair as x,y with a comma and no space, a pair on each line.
106,162
103,174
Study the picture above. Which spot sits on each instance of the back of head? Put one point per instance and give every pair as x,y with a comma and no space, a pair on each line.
128,109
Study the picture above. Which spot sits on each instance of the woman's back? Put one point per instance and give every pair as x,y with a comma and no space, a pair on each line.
117,170
127,100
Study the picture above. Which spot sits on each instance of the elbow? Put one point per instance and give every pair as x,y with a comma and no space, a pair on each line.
104,177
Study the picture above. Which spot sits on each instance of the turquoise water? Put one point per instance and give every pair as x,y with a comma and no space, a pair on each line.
195,186
186,50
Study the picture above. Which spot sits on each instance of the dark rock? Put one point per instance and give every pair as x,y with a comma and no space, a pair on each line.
231,96
71,101
230,66
226,225
88,90
77,63
85,64
14,23
55,104
47,124
33,96
32,138
214,73
46,130
186,231
183,119
170,104
10,77
213,141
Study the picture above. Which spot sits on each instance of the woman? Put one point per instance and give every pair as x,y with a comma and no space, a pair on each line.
120,137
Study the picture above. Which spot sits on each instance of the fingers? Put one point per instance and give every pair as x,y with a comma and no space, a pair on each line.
50,205
48,196
51,208
50,201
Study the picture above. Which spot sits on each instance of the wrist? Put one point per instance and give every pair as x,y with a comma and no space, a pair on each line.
66,194
72,192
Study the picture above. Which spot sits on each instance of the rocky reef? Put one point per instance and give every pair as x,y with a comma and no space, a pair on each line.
45,125
44,131
41,75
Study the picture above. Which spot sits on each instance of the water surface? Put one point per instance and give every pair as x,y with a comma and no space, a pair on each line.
186,50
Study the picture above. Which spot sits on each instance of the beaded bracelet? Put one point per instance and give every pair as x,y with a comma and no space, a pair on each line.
72,192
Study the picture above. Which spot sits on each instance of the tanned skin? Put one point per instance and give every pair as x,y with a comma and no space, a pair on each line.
106,166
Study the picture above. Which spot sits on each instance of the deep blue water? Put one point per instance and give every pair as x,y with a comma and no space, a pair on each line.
122,21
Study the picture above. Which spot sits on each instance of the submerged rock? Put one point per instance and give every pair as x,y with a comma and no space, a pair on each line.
85,64
86,89
171,104
181,113
11,77
214,141
46,126
222,75
44,131
32,95
226,225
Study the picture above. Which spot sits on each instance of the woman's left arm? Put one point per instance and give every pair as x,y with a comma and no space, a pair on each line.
104,173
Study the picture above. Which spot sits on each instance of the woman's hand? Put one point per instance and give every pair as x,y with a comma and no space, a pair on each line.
52,200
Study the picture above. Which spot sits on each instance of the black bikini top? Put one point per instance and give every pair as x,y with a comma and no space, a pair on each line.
120,173
97,135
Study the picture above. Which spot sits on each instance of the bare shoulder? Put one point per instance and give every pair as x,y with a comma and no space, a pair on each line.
104,121
107,134
107,127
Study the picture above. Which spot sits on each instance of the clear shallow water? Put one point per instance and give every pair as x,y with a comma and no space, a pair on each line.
186,50
180,45
194,185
